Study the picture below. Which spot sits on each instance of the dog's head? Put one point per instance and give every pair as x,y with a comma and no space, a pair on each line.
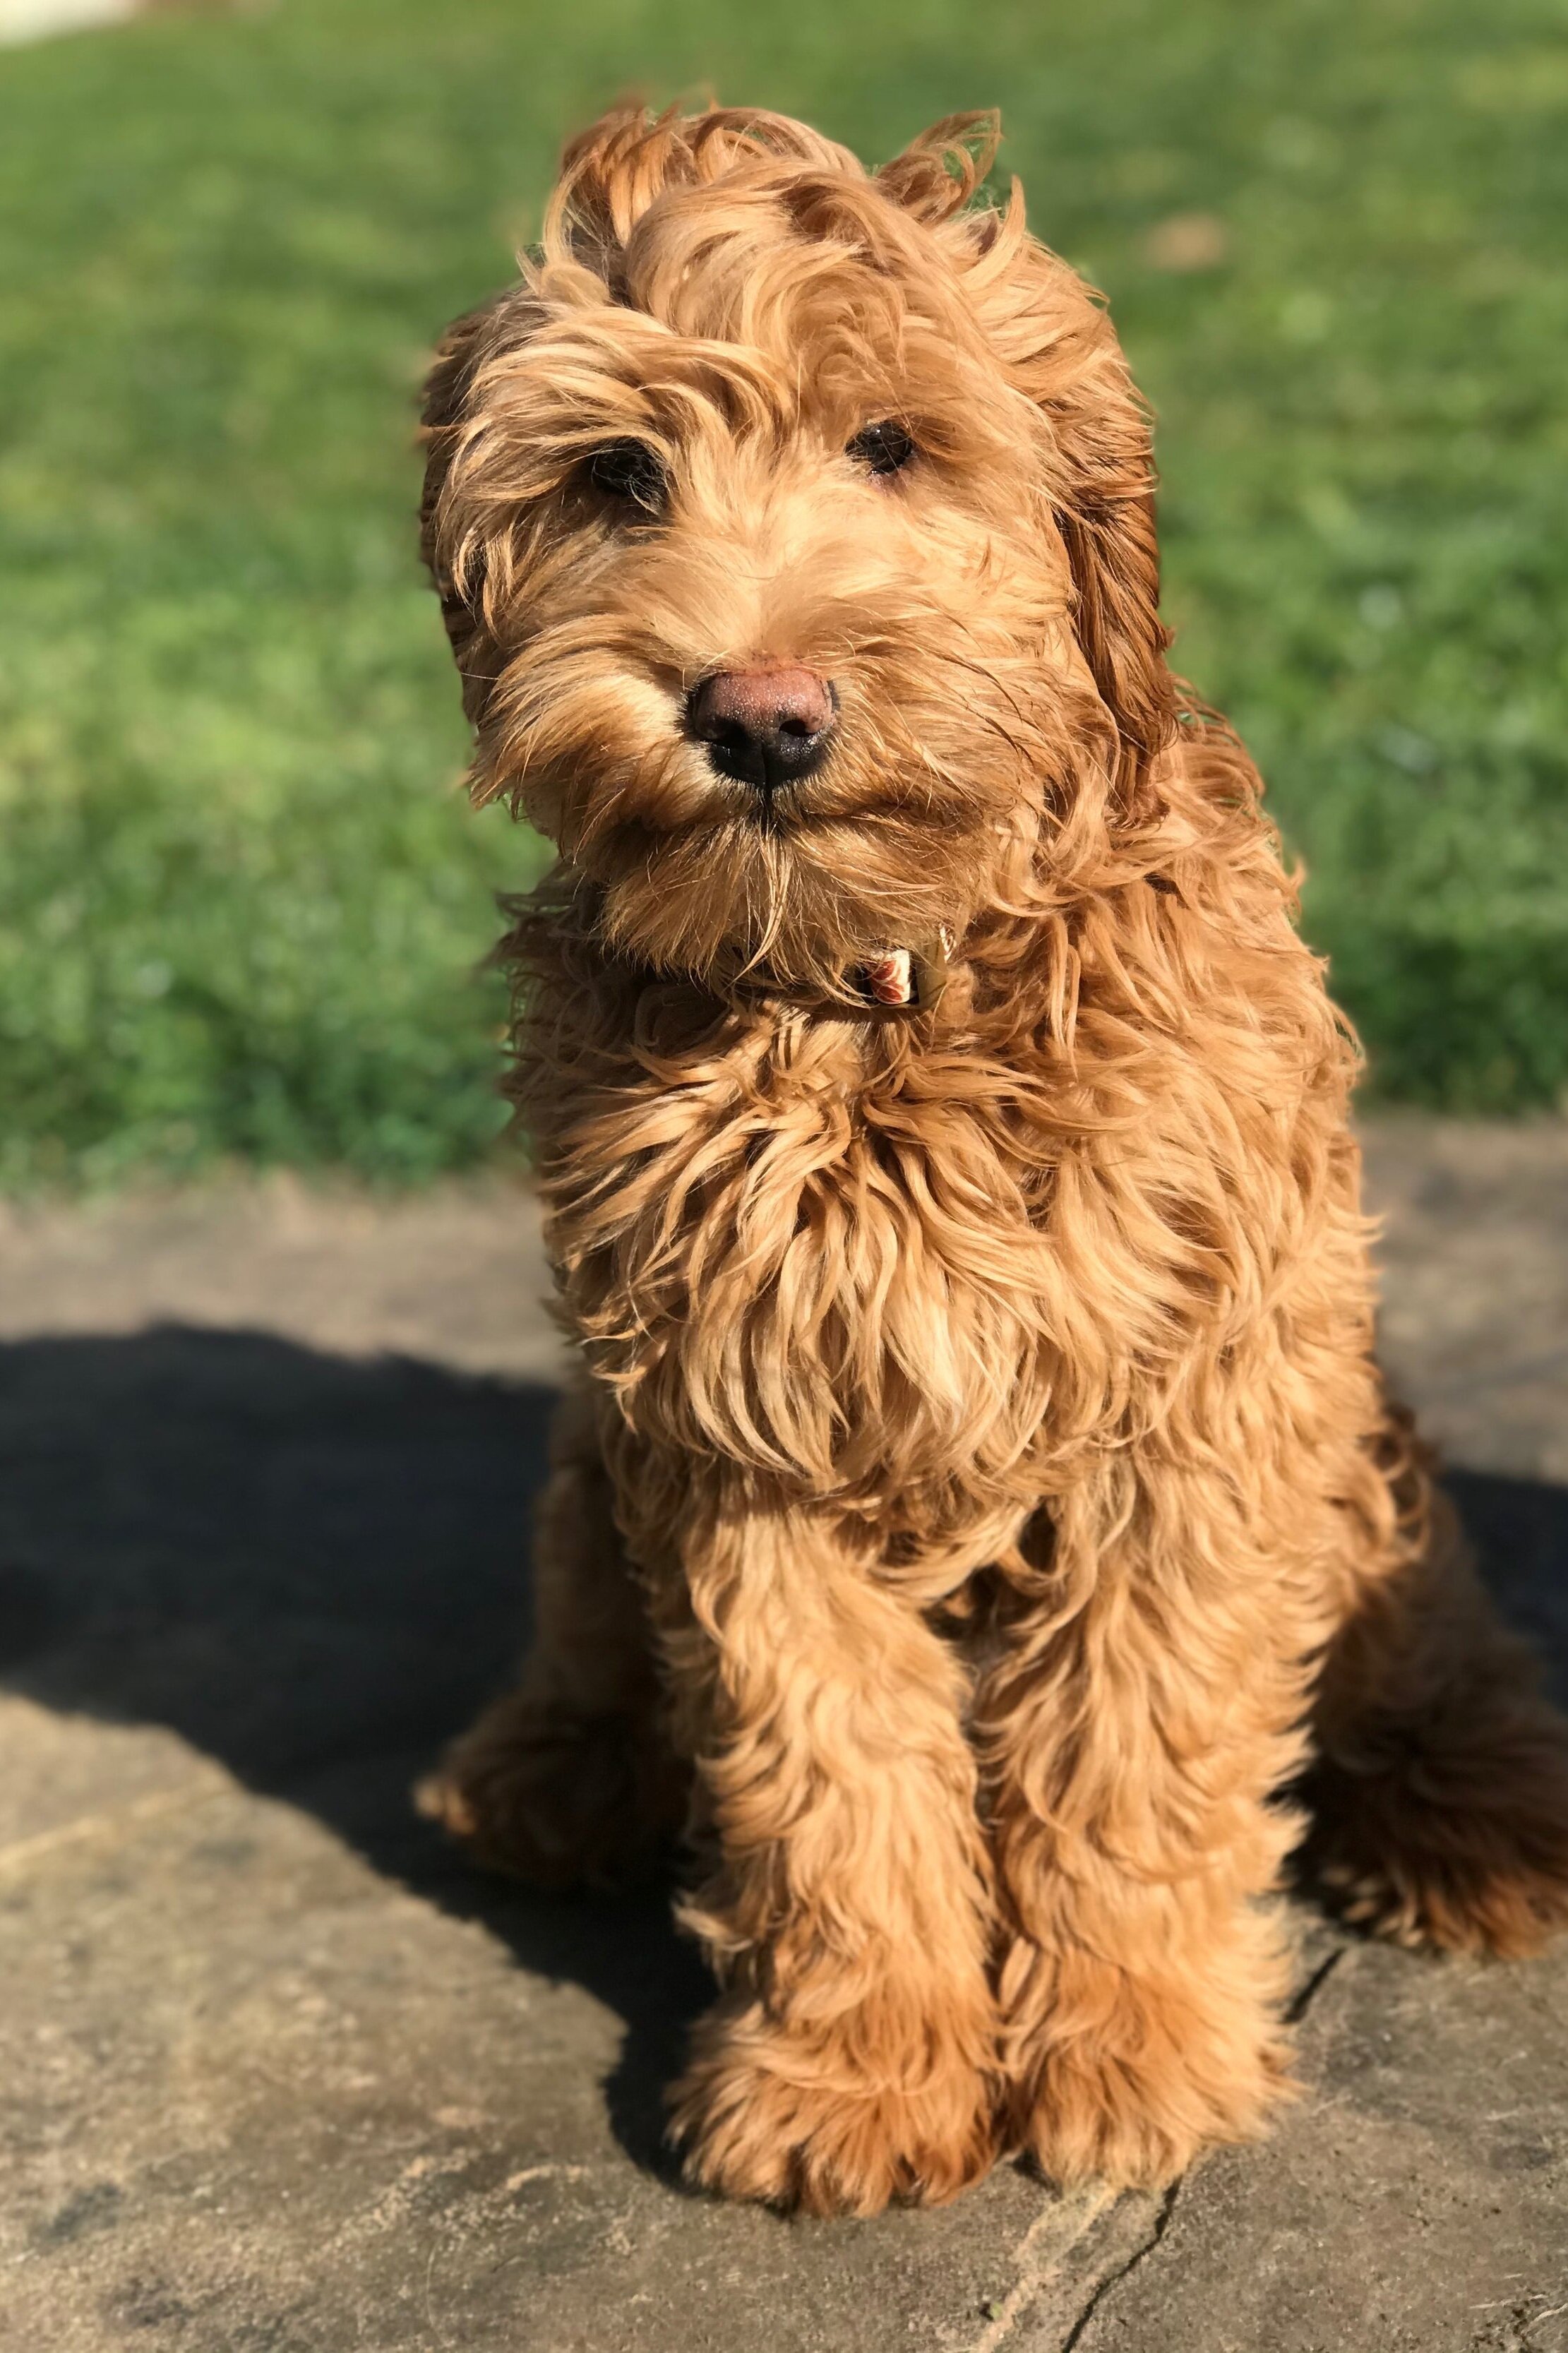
793,528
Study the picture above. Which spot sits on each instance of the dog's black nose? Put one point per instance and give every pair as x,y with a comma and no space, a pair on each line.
763,727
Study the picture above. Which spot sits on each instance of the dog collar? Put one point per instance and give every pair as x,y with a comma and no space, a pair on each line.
893,980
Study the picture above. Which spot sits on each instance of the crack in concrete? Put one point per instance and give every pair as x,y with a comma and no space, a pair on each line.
1103,2289
1063,2222
1302,2001
87,1827
1113,2280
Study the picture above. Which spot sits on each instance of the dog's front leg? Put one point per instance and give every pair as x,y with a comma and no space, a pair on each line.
852,2058
1134,1734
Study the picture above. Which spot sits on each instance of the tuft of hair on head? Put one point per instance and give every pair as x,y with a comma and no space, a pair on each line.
612,171
944,169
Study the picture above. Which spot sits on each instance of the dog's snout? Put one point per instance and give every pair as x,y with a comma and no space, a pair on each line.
764,727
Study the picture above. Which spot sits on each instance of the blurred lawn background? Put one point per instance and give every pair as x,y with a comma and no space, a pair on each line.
241,904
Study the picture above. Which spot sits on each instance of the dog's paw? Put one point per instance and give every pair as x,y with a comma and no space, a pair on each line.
761,2115
558,1799
1130,2090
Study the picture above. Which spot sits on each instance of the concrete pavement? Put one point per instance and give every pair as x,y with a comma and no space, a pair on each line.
279,2074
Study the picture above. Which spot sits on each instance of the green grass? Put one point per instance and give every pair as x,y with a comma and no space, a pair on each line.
241,907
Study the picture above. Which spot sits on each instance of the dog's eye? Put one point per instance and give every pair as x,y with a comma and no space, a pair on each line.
882,449
630,470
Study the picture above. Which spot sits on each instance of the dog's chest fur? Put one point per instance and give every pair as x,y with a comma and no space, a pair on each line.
826,1256
917,1269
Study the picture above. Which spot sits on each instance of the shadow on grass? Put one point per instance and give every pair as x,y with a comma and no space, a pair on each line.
313,1569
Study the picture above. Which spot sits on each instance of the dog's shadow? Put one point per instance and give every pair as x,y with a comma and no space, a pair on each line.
314,1569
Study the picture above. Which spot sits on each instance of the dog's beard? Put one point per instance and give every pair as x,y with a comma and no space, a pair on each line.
937,773
773,902
797,888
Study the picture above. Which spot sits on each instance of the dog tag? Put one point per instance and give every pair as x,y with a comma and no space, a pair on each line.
889,979
913,976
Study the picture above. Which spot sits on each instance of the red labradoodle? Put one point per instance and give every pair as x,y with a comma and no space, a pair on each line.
982,1505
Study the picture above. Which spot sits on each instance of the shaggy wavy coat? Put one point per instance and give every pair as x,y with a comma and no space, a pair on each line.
981,1504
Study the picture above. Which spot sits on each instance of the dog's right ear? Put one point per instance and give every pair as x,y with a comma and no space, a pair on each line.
1053,335
1058,346
450,540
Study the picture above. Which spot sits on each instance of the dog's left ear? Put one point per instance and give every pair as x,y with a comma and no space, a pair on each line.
1053,336
453,550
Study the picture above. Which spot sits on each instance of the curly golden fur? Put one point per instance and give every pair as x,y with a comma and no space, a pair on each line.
982,1507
